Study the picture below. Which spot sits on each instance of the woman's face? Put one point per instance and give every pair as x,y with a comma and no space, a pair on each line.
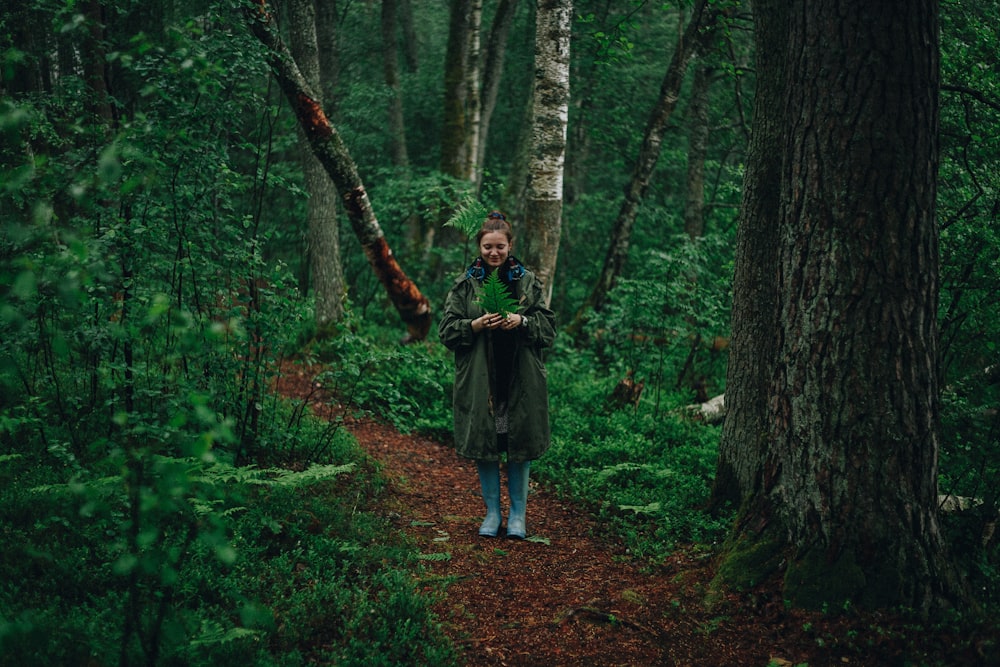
494,248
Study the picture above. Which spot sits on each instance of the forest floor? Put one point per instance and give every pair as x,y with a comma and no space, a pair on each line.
572,595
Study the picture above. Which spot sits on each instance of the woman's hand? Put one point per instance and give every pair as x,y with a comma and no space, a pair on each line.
491,321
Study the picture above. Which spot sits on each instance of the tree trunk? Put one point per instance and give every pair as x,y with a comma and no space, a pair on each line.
543,212
473,101
390,68
410,43
322,236
687,47
493,59
326,143
329,52
754,332
512,201
454,135
694,207
848,493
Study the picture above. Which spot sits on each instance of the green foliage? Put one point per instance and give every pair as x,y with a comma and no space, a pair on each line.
162,504
468,217
494,297
252,564
408,386
646,473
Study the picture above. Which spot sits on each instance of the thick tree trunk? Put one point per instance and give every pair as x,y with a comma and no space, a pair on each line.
543,212
754,332
848,487
322,236
687,48
326,143
390,68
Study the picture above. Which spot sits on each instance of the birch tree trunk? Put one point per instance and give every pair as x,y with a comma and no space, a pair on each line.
543,210
847,502
323,237
329,148
687,48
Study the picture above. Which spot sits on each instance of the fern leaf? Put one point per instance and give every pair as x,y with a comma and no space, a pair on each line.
494,297
468,217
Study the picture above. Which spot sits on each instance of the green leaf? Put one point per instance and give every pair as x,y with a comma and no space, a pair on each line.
468,218
494,297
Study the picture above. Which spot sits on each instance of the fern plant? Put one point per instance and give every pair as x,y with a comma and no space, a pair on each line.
494,297
468,217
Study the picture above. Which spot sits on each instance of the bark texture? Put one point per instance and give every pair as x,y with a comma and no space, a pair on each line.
454,135
543,210
848,479
322,235
326,143
694,207
754,332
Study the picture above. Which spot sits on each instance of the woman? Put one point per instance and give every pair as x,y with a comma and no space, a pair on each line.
501,403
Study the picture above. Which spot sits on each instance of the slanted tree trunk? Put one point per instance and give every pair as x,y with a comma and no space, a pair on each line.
512,201
390,68
496,49
847,504
543,210
326,275
326,143
695,34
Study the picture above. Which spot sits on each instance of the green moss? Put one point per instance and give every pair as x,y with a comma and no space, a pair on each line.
748,561
813,582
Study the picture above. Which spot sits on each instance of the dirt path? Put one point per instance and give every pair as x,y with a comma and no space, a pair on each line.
569,596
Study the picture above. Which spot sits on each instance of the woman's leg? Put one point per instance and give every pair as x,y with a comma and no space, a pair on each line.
517,486
489,480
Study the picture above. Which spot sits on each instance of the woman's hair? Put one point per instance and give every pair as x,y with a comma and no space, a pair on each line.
495,222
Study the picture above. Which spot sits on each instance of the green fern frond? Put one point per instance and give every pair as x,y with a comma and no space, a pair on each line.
494,297
212,633
314,473
468,217
436,556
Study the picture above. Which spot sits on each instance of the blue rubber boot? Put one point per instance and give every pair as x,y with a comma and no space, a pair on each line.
517,486
489,480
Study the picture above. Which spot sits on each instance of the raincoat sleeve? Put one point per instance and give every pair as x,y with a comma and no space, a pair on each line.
455,328
541,329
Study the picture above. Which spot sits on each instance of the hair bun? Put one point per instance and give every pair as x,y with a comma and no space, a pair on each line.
497,214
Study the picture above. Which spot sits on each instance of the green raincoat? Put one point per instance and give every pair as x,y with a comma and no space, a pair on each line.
528,402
